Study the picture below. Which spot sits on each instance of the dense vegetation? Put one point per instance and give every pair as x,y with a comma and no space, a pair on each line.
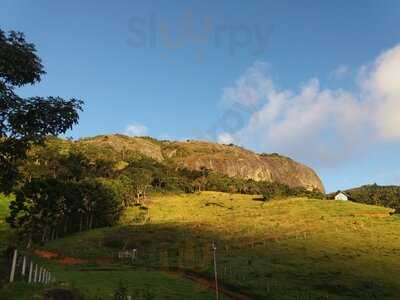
26,121
67,187
388,196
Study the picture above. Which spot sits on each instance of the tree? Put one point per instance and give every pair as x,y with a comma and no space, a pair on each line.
139,174
37,208
200,183
24,122
141,181
47,207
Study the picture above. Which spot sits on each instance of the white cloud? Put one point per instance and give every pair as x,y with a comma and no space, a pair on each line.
225,138
340,72
320,125
381,83
249,88
136,130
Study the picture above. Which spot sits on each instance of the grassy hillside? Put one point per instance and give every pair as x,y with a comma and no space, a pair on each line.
99,280
283,249
5,231
6,237
67,187
98,283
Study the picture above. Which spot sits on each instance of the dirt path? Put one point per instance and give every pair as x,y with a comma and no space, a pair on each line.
205,282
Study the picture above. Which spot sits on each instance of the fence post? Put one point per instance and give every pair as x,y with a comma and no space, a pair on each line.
36,274
133,255
23,266
43,275
49,277
14,262
30,272
40,275
215,270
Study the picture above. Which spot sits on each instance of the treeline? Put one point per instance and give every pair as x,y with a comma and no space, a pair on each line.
47,208
388,196
66,187
279,190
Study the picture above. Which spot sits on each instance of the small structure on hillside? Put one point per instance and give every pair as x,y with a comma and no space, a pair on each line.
342,196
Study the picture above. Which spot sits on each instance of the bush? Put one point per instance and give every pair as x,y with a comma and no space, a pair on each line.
279,190
388,196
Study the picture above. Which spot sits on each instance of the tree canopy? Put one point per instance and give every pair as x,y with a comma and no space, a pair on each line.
26,121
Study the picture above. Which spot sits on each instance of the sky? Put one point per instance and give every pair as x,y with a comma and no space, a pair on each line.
316,81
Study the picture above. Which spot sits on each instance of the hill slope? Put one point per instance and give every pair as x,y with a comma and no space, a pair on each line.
226,159
283,249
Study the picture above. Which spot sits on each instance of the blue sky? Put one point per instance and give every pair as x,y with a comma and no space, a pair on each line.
312,80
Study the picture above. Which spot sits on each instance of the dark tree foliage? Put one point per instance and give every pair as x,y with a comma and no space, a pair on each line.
278,190
45,209
24,122
69,186
62,190
19,64
388,196
154,176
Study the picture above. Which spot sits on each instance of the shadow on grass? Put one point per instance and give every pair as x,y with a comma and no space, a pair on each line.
262,199
263,265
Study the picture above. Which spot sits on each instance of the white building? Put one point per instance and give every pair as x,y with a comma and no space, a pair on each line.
342,196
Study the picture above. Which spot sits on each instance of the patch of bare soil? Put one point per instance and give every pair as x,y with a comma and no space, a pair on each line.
69,261
46,254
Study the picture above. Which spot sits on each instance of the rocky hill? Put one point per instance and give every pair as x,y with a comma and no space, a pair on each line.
230,160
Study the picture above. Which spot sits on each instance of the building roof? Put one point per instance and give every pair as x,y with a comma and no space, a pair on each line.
344,193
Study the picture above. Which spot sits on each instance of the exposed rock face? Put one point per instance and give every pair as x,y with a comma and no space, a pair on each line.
230,160
238,162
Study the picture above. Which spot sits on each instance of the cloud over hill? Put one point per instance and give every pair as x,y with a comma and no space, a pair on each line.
320,125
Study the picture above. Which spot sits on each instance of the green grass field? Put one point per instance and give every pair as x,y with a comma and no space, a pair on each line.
283,249
96,282
6,234
4,228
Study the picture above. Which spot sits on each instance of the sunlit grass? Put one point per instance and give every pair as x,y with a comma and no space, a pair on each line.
283,249
5,230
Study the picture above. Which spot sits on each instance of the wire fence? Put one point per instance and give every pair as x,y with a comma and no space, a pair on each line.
203,262
24,267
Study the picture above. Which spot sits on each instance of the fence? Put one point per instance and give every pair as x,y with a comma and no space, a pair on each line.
24,268
131,256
